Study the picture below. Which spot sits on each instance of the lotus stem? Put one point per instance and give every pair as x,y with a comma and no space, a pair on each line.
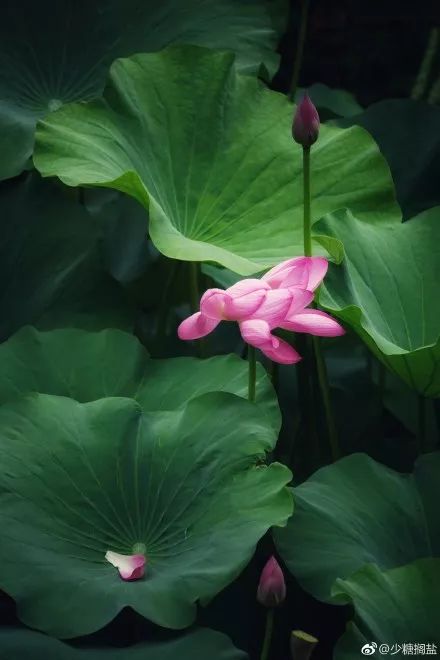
194,285
421,423
162,320
421,83
307,222
319,358
252,362
267,634
321,368
299,49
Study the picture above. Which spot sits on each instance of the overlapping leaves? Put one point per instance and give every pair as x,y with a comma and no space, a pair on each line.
79,479
410,598
381,549
57,51
33,361
367,514
408,133
15,644
386,289
210,153
52,267
155,469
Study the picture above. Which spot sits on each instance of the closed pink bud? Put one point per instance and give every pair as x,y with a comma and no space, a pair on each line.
272,588
305,129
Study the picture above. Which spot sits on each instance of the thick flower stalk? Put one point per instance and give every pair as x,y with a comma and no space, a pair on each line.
278,300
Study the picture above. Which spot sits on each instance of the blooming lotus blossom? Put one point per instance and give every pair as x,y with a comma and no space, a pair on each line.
130,567
272,587
305,129
277,300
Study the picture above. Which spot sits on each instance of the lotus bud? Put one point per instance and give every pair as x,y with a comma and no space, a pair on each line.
272,588
130,567
305,129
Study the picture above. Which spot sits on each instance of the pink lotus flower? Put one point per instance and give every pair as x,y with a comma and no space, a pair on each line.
303,272
305,129
277,300
272,587
130,567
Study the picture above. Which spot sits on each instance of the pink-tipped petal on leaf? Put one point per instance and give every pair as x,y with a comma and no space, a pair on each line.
130,567
314,322
257,333
196,326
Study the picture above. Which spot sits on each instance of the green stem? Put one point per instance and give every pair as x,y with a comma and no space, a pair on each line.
164,306
421,428
424,74
252,361
267,634
299,49
320,362
325,393
307,203
194,285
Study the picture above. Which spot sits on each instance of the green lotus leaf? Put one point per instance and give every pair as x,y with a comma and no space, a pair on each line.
387,291
414,161
57,51
197,645
209,152
188,488
409,596
51,264
59,362
366,513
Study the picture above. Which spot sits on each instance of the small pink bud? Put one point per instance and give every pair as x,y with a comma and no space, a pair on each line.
305,129
272,588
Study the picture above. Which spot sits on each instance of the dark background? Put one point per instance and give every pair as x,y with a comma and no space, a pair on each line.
374,50
371,48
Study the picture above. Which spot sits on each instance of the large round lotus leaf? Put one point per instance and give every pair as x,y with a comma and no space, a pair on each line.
392,609
60,362
210,153
188,487
57,51
366,513
387,290
199,644
51,266
414,160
